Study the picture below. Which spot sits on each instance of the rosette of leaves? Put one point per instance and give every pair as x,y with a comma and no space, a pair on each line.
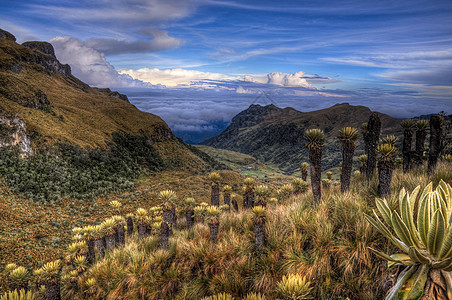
447,158
422,230
80,263
18,278
363,160
391,140
262,194
315,139
99,242
115,206
213,219
215,188
200,212
304,171
293,287
51,277
90,284
299,186
259,219
77,248
284,192
120,233
18,295
224,208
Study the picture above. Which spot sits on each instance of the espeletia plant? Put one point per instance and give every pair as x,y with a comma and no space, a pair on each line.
422,230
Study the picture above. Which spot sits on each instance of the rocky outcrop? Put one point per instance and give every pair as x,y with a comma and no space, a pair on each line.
108,92
45,56
6,35
13,132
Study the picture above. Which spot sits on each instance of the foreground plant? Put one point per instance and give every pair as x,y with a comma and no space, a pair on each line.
215,188
262,195
18,277
294,287
21,295
259,218
213,214
423,231
168,200
51,277
315,139
347,138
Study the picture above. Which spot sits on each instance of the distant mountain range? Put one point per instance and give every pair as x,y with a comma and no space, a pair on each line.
275,135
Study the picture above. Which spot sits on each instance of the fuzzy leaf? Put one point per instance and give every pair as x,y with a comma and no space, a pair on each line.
418,257
423,218
420,277
446,248
401,230
436,232
385,231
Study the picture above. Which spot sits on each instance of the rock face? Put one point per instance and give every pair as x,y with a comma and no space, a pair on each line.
275,135
14,133
45,56
115,94
6,35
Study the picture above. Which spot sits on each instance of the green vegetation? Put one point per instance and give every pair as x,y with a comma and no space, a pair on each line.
69,171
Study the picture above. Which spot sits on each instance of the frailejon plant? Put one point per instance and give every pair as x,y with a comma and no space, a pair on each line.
164,235
371,133
51,277
408,126
120,237
129,218
391,140
215,188
299,186
168,200
109,226
140,215
227,189
213,214
315,140
99,240
347,138
18,278
262,195
329,175
304,171
363,160
88,232
248,199
189,212
259,218
421,134
222,296
294,287
422,230
387,154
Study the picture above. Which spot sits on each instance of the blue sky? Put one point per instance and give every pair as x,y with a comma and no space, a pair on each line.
383,52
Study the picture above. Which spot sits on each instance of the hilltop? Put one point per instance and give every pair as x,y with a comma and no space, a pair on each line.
40,96
275,135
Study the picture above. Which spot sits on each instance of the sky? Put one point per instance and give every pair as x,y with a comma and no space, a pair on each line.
222,55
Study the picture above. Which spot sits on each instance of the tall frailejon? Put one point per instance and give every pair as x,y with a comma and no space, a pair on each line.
436,141
371,140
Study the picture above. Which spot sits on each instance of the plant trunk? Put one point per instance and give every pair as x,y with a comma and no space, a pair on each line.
215,195
371,139
164,235
190,217
227,199
235,204
304,175
142,229
110,239
315,156
347,165
421,135
99,244
259,232
406,149
91,253
362,169
129,226
248,201
436,141
385,169
121,236
53,290
438,285
214,225
169,216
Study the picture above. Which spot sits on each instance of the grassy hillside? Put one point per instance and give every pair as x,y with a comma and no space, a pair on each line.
334,256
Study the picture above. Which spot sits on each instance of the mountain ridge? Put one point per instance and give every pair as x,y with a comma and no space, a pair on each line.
275,135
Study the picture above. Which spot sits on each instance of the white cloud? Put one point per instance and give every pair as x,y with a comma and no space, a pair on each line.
174,77
288,80
90,65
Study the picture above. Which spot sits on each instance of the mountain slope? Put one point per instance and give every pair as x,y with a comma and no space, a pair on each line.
55,107
275,135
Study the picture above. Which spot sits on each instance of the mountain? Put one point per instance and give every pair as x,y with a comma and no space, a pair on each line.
44,108
275,135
